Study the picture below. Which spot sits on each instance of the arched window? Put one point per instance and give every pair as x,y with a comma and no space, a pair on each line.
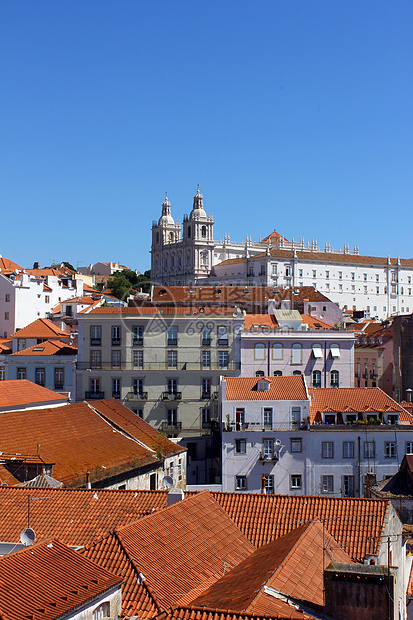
103,611
157,237
278,373
316,378
334,378
203,231
171,237
297,372
296,353
335,351
259,351
259,373
277,351
189,232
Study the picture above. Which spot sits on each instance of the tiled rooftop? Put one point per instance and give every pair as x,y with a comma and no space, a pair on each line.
47,580
145,310
78,440
355,399
18,392
48,347
290,387
40,328
322,257
8,265
252,321
180,612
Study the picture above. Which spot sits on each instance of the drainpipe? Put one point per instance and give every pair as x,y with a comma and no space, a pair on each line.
359,465
268,361
325,364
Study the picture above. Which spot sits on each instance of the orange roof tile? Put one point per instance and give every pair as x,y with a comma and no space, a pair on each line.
293,564
18,392
258,320
177,549
273,235
6,345
49,347
40,328
314,323
181,612
8,265
78,440
145,310
322,257
48,580
289,387
231,295
358,399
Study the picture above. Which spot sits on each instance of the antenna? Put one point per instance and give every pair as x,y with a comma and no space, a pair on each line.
167,482
28,536
278,442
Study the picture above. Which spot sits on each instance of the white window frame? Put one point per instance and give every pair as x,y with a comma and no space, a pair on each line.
296,481
327,483
327,449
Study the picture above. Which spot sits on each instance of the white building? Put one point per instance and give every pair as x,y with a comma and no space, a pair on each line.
187,254
282,437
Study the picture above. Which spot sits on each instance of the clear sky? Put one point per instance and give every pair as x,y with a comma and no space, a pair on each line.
294,115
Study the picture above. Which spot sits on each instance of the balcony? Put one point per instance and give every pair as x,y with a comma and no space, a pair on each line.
116,395
58,386
172,342
95,342
222,342
171,395
206,342
166,426
148,365
137,342
116,342
268,457
206,396
94,395
137,396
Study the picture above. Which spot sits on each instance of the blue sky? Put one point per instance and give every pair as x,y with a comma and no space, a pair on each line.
291,115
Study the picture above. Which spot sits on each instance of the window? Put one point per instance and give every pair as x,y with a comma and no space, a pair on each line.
296,353
6,316
115,388
327,484
296,415
239,418
268,448
40,376
277,351
115,336
172,418
274,269
95,386
259,373
317,351
179,469
348,486
327,449
137,387
314,273
172,386
369,450
2,373
95,335
348,449
334,378
206,337
206,359
296,445
223,336
206,417
353,275
340,275
240,483
172,359
269,484
137,359
137,333
327,274
206,388
390,449
335,351
21,344
316,378
115,358
103,611
223,359
409,447
21,373
7,298
296,481
95,358
267,418
172,336
259,351
203,231
240,446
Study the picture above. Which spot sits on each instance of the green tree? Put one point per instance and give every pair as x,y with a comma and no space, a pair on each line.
68,265
126,281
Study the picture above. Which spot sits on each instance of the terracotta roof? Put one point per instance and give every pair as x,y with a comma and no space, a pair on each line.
293,564
49,347
8,265
314,323
18,392
47,271
6,345
76,516
88,288
180,612
6,478
330,257
289,387
273,235
231,295
86,299
253,320
190,543
359,399
40,328
48,580
78,440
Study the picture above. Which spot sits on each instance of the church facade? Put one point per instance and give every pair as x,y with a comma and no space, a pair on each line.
188,255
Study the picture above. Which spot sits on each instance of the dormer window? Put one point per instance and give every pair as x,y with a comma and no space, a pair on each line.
263,385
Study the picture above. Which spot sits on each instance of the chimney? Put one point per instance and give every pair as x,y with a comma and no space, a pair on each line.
174,496
79,288
271,306
263,484
88,484
36,265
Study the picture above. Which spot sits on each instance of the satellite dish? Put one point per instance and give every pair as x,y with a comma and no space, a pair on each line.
28,536
278,442
167,482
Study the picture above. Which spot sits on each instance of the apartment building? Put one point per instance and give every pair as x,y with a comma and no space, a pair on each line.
280,437
164,364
